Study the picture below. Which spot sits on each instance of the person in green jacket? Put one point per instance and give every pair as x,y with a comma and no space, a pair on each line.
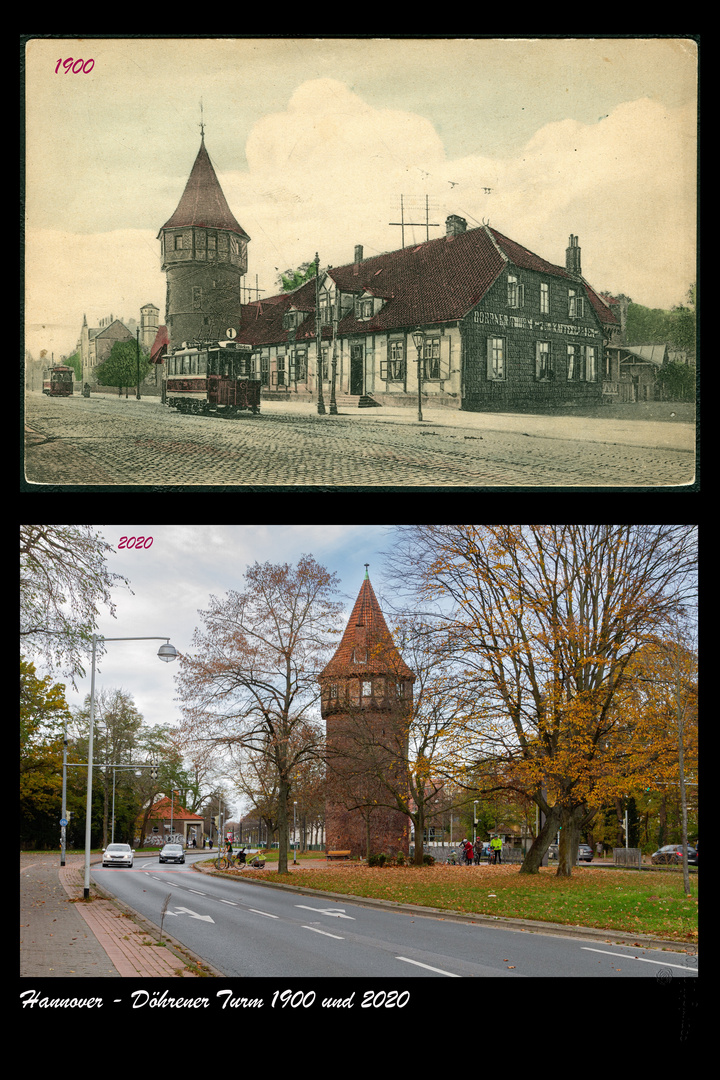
496,848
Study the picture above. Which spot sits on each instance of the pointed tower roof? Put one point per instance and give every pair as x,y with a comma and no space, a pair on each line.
203,202
367,635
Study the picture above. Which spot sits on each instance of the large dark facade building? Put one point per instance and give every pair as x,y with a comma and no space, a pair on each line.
204,254
367,698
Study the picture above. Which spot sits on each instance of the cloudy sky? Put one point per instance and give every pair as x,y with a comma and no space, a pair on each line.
314,142
173,578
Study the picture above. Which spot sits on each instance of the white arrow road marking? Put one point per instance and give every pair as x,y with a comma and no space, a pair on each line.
192,914
337,914
624,956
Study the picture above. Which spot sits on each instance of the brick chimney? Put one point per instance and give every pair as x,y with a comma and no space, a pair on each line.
572,257
454,225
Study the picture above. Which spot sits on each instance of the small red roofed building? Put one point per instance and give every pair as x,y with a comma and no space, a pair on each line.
167,821
366,702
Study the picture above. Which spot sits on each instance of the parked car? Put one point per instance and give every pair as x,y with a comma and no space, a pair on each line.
118,855
585,853
553,851
172,853
673,853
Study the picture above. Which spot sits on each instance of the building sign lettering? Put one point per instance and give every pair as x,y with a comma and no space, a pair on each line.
520,322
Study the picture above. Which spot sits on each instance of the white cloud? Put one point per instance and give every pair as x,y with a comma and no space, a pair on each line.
327,172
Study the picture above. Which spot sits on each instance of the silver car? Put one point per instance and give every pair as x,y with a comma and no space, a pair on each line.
118,855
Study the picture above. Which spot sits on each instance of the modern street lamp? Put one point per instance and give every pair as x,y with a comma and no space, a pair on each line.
419,340
166,652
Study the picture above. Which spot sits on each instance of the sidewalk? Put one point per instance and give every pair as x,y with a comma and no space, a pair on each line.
61,935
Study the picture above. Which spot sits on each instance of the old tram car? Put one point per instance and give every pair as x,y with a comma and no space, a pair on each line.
211,378
59,382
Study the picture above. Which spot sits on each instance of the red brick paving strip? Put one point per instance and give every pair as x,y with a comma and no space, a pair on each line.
133,952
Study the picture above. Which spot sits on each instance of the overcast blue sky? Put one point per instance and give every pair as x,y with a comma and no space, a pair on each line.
314,142
174,578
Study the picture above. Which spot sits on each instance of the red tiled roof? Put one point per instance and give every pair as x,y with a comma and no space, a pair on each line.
163,809
367,632
203,202
159,345
435,282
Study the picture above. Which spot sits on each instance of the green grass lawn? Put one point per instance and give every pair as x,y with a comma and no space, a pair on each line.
628,901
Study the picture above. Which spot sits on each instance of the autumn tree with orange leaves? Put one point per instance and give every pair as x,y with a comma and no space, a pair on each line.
545,624
251,683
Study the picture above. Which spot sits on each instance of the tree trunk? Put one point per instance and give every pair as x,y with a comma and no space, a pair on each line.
533,859
283,827
569,840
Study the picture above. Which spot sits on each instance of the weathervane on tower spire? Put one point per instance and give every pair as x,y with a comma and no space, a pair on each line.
201,125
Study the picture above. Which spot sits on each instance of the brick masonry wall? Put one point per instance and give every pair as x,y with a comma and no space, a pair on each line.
522,327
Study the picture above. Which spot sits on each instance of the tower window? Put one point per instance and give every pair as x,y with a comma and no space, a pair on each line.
367,688
178,241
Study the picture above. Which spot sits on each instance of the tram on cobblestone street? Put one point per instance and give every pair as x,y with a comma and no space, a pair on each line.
210,379
60,382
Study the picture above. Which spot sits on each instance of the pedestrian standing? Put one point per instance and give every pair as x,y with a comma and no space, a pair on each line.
496,847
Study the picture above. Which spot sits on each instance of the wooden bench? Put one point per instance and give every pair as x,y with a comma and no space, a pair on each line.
337,855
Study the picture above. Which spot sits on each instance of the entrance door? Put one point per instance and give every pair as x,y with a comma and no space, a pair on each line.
356,370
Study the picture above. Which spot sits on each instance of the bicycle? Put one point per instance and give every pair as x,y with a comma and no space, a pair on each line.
226,862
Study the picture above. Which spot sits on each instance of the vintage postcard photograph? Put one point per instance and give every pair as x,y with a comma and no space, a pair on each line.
346,264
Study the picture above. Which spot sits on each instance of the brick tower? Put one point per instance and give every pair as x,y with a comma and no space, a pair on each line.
366,696
204,254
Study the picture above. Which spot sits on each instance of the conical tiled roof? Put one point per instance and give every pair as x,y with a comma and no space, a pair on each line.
367,636
203,202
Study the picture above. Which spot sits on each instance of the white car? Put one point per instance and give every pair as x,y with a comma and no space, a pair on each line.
118,855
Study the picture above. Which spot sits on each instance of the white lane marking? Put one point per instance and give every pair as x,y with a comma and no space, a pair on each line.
230,902
337,913
440,971
323,932
625,956
265,913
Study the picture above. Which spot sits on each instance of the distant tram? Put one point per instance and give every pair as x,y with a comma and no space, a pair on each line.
211,378
60,383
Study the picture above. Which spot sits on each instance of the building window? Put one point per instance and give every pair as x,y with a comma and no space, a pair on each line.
431,358
359,656
178,240
496,350
516,292
333,691
591,373
543,364
576,305
544,299
396,361
364,309
572,362
367,688
212,241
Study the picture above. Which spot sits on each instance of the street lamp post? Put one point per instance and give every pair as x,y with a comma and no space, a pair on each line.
419,339
166,652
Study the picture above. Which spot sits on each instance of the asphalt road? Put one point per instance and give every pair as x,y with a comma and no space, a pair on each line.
248,931
119,442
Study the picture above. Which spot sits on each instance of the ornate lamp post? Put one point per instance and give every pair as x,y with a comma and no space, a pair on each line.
419,340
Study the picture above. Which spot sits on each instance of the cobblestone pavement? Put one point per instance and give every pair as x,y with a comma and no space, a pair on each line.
123,442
